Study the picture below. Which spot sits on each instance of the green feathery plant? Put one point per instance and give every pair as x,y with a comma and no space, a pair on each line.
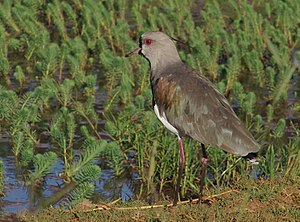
116,158
20,76
62,48
62,131
48,59
89,151
6,15
42,164
84,172
61,92
55,13
293,163
22,112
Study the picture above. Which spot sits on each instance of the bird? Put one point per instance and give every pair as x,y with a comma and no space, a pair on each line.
189,105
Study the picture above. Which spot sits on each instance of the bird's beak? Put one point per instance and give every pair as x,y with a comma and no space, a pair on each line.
135,51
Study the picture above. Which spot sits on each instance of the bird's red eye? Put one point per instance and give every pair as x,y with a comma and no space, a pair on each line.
148,41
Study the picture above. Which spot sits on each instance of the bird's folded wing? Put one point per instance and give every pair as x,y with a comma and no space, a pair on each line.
196,109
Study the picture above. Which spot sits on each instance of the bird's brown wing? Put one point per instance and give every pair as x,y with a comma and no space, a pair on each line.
195,108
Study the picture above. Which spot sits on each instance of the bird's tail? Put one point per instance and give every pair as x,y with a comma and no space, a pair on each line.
251,157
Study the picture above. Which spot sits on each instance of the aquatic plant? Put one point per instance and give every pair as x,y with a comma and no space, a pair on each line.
56,56
42,164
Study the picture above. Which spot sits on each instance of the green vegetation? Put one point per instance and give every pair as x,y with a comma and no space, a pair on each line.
276,200
1,178
54,54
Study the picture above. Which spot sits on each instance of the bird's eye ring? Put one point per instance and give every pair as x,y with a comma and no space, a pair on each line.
148,41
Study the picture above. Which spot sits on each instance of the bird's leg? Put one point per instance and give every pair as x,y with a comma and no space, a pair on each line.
181,167
203,171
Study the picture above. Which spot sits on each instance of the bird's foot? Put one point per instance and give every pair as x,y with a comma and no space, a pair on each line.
204,160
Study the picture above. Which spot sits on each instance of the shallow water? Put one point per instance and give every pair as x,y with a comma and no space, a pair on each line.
20,197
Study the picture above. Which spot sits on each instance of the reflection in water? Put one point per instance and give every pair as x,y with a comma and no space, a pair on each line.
20,196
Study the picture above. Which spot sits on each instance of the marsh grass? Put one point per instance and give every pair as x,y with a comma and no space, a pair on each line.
1,178
65,47
262,200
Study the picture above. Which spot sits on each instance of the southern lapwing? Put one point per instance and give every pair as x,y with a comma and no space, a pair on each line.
188,104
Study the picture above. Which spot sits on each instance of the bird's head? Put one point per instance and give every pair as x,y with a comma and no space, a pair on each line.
158,48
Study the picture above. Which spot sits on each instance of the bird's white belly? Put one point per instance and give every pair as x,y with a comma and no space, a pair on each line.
164,120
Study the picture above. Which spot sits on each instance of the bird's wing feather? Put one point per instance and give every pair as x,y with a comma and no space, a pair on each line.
196,109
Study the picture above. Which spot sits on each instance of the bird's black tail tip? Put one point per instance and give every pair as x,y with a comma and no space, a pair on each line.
251,157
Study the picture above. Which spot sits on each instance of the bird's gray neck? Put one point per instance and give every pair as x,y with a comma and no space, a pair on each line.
164,66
